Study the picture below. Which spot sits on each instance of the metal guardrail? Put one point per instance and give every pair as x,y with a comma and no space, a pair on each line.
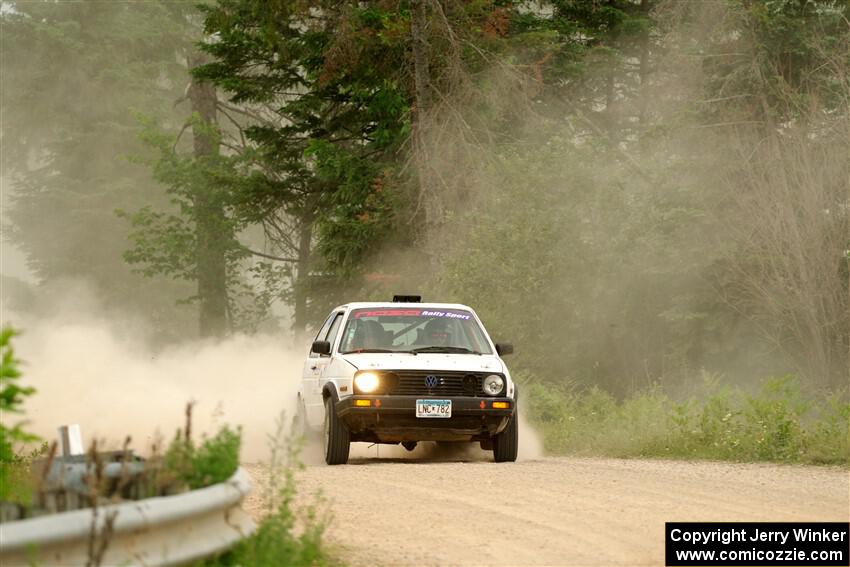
167,530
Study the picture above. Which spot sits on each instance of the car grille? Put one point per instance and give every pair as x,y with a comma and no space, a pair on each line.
413,383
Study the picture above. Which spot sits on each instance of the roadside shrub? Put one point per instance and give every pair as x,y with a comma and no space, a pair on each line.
277,541
214,461
777,423
15,485
829,438
287,535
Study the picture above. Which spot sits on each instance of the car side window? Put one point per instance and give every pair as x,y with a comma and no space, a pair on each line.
323,332
332,332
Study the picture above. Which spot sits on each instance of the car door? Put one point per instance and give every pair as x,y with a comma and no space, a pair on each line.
314,368
311,372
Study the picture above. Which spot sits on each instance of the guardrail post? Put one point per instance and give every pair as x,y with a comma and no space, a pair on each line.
71,440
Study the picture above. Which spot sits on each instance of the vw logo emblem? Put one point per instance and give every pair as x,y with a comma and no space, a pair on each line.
431,381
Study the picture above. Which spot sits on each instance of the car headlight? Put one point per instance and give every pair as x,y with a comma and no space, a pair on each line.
493,385
366,382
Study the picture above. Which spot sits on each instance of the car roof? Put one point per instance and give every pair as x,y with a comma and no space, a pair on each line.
402,305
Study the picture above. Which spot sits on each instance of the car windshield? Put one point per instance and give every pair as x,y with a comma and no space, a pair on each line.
413,330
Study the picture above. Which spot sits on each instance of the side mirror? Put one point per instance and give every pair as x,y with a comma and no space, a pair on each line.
321,347
504,348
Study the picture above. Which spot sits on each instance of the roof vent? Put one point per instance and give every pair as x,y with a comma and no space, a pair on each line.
407,299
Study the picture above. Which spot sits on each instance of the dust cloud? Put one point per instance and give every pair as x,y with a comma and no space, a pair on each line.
92,370
642,241
530,441
100,371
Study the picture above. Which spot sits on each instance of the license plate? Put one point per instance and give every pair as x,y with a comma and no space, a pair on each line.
433,408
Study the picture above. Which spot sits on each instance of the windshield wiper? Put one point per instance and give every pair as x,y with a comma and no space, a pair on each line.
359,350
445,349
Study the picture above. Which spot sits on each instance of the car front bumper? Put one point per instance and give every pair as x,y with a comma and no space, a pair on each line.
392,419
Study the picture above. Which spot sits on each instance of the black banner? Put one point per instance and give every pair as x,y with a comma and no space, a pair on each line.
755,543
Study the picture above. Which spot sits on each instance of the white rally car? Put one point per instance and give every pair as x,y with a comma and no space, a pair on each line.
404,372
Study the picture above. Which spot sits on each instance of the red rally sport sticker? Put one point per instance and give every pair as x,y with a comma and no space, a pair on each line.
388,313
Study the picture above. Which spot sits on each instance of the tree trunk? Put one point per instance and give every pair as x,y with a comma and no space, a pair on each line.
610,117
427,200
210,222
421,73
302,289
643,74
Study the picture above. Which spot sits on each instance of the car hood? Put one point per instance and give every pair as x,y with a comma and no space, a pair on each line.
426,361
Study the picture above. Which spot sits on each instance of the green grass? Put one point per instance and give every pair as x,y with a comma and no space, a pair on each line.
288,535
278,541
775,424
213,461
15,481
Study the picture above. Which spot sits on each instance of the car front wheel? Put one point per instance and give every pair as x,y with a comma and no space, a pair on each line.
506,443
336,435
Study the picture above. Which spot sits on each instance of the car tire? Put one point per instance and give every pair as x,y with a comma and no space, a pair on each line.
337,437
506,443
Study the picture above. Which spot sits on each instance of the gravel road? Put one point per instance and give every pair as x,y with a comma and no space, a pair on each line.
460,510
